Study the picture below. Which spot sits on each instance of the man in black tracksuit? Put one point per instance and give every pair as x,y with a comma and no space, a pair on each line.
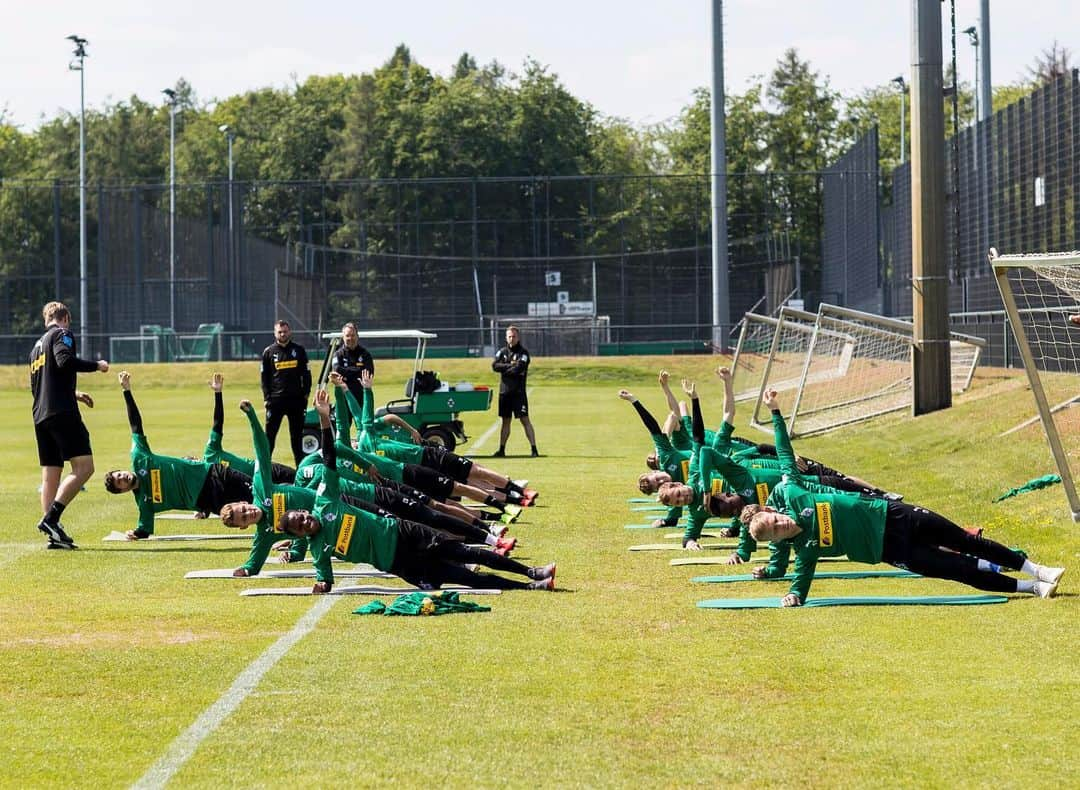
350,360
512,365
286,385
61,434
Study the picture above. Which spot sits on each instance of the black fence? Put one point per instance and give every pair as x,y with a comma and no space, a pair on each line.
1014,187
454,254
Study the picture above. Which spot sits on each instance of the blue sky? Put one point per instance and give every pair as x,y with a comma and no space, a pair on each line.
636,60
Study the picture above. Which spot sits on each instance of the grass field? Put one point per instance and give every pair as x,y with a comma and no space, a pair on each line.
616,680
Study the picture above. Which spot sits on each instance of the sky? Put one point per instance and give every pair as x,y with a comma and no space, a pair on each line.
631,59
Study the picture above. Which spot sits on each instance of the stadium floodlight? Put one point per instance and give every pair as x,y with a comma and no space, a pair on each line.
902,84
170,96
78,64
230,135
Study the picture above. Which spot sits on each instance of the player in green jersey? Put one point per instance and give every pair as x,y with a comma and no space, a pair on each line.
671,464
161,482
721,485
818,521
461,469
215,454
429,480
416,553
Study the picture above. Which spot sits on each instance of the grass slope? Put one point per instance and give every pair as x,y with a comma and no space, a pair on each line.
108,653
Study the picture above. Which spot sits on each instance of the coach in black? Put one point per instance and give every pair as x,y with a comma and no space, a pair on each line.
61,434
512,363
286,385
351,359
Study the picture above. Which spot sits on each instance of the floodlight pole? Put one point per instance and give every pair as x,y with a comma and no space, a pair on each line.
985,88
171,95
931,378
84,309
902,84
721,317
230,135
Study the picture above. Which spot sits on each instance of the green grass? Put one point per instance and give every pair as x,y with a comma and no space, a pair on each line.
107,654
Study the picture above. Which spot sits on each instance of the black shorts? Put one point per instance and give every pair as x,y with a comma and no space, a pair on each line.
514,404
222,485
428,480
446,462
417,550
60,438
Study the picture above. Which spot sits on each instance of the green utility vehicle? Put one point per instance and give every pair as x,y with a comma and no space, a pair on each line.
430,406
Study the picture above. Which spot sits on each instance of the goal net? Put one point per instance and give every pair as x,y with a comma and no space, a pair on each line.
1040,292
841,366
776,345
555,335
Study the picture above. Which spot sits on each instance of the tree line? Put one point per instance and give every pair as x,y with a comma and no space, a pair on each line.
403,121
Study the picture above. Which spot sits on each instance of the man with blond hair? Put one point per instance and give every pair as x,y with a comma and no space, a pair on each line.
61,434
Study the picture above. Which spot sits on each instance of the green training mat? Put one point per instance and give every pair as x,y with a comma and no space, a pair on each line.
884,600
723,560
655,508
121,537
747,577
650,526
641,500
297,573
360,589
678,546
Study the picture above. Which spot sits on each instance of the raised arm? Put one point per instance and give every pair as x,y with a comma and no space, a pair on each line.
263,468
672,403
393,419
216,383
651,425
134,418
64,353
784,451
367,413
698,430
729,394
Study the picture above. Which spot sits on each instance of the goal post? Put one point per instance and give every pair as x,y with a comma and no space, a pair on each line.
1040,292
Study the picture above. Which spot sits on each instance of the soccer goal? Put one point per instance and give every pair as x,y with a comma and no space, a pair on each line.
876,361
767,344
784,370
1041,292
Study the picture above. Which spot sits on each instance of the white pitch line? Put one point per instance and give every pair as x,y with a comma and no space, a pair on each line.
483,437
181,749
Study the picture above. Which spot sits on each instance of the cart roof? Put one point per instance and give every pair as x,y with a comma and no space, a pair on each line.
387,334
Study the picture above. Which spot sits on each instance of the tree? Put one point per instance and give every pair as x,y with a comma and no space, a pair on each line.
1049,65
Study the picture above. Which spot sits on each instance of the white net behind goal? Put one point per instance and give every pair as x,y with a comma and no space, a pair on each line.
876,362
1040,292
773,349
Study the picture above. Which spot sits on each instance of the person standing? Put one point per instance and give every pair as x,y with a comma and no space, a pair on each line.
512,364
61,434
286,385
350,360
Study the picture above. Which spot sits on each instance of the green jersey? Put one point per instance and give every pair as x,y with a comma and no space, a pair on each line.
165,483
358,461
348,532
214,454
833,522
272,499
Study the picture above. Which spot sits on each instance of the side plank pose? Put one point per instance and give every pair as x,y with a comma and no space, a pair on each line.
416,553
214,453
721,485
162,482
817,521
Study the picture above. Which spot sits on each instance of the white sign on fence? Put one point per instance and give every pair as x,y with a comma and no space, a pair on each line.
546,309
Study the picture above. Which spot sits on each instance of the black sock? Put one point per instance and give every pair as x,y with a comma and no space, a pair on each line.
57,510
513,497
493,502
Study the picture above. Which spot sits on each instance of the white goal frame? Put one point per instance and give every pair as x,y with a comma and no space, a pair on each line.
1040,327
